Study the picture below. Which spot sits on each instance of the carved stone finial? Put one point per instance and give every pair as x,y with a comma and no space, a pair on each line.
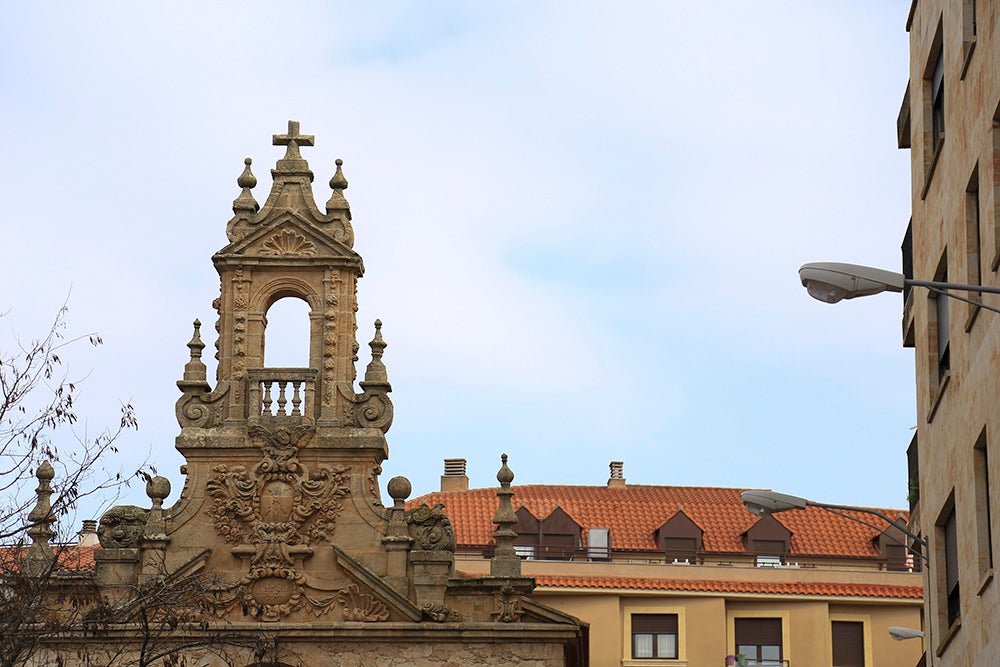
338,182
337,201
505,562
157,488
245,202
399,489
40,556
194,370
376,372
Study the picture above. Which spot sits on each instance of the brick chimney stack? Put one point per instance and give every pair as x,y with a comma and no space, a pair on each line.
454,477
617,479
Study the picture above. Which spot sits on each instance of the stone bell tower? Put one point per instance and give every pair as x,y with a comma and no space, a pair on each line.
289,248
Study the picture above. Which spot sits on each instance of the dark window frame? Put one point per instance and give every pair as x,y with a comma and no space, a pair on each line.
655,626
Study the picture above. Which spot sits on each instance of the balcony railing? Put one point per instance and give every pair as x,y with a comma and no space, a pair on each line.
282,392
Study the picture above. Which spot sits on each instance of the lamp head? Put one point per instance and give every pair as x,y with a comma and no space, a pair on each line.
769,502
899,634
832,281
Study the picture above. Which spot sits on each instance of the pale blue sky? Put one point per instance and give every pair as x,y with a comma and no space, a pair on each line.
581,222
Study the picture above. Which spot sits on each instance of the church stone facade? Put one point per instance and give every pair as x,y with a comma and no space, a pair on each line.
280,517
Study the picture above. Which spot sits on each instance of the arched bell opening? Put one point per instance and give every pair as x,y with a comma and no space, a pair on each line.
287,334
285,385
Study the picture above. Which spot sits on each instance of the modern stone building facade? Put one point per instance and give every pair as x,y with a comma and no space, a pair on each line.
279,545
950,121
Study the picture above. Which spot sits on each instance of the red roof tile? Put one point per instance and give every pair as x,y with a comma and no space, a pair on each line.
724,586
634,513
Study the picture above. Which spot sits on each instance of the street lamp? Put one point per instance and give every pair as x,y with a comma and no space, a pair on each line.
770,502
900,634
832,281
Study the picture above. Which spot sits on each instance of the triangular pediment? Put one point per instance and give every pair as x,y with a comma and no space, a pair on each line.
290,237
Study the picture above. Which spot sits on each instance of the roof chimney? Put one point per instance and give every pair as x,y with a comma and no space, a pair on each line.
454,477
617,478
87,536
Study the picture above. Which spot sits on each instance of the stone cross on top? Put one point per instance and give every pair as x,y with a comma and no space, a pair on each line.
293,140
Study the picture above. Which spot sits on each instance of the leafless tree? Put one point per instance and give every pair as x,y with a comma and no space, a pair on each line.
37,418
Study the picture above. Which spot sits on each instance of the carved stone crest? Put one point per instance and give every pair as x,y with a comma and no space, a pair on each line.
272,512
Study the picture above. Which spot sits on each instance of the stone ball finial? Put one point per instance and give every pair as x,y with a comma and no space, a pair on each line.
45,472
505,475
399,488
158,488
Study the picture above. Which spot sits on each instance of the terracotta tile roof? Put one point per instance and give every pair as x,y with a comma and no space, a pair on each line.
72,558
723,586
635,512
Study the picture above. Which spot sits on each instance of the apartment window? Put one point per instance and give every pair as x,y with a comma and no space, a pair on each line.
969,29
680,538
848,639
759,641
556,537
973,240
939,311
992,221
654,636
984,533
769,541
932,108
937,102
948,534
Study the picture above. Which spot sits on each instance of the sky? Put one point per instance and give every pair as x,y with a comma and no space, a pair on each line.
581,222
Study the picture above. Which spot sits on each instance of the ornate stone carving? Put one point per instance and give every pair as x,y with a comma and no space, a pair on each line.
272,512
287,243
440,613
508,605
121,527
278,502
432,528
360,606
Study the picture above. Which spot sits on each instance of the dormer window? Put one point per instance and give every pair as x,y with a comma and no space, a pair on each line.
557,537
680,539
526,543
769,542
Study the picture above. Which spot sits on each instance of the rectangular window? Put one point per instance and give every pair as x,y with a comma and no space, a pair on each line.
932,111
969,29
654,636
948,532
973,242
984,533
939,311
937,102
758,640
848,644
